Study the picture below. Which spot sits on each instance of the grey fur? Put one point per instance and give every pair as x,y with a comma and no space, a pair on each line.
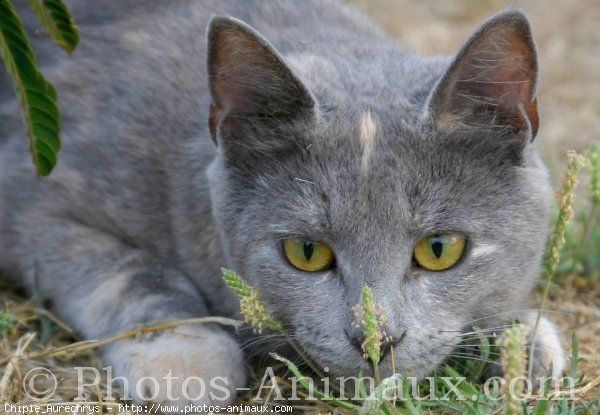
143,208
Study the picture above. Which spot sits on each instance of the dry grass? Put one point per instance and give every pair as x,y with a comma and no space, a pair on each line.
25,349
577,312
37,339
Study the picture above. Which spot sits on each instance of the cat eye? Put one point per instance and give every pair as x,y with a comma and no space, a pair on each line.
439,252
308,256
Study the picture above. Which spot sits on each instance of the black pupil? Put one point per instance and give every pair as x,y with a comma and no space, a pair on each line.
437,246
308,248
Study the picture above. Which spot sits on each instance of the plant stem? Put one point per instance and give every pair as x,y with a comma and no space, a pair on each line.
376,374
590,222
304,357
557,240
93,344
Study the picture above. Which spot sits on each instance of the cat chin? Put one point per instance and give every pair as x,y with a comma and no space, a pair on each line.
415,356
351,366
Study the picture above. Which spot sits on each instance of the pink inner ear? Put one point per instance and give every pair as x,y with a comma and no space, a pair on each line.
246,73
249,81
498,70
229,97
233,64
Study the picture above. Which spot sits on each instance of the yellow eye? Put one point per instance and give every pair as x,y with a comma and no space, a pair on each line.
309,256
439,252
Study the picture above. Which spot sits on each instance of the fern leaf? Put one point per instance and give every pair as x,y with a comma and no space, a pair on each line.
56,18
36,95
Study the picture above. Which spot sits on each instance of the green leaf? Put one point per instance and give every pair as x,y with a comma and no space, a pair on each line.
310,387
380,399
362,392
7,321
541,407
464,386
575,359
408,403
56,18
36,95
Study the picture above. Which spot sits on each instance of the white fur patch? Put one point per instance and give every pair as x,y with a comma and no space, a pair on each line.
368,129
549,341
483,250
549,338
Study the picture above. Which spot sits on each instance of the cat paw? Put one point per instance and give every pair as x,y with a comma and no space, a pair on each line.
191,365
549,358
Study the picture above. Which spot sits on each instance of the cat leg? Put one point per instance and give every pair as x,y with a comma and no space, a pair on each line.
103,286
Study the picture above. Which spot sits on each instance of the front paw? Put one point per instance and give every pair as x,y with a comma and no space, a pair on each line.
190,365
548,355
549,358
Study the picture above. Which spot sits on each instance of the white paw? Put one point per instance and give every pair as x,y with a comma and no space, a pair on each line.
192,365
548,351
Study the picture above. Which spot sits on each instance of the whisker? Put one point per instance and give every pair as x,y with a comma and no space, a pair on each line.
473,347
274,346
484,330
492,329
263,339
504,313
472,357
456,363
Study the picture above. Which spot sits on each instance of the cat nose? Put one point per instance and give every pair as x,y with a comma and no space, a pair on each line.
357,338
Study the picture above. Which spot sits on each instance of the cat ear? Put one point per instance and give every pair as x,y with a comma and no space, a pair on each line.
492,80
249,80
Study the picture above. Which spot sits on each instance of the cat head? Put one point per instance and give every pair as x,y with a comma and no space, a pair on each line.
417,177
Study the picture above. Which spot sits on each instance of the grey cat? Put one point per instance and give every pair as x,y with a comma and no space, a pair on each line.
316,162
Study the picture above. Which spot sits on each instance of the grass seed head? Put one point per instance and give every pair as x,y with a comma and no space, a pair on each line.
514,363
566,199
372,319
252,307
